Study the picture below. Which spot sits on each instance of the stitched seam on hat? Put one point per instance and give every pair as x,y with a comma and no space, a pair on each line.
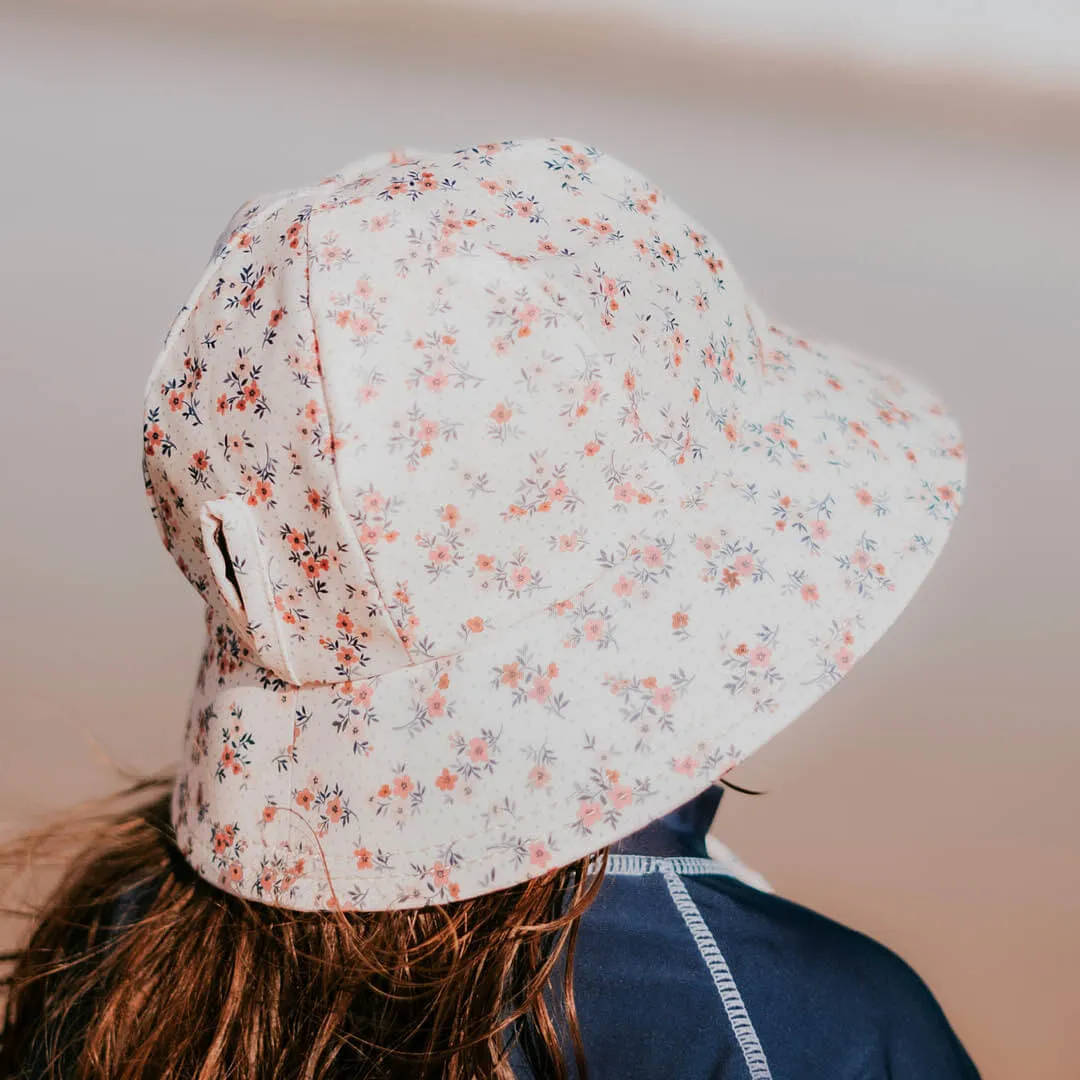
339,492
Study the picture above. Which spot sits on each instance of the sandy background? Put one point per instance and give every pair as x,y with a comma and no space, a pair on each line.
931,799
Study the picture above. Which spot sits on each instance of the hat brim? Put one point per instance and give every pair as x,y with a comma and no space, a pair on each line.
699,644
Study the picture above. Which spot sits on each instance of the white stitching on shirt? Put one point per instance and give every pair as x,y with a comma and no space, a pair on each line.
639,865
723,980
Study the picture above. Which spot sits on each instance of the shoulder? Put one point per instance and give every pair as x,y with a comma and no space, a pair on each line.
859,1001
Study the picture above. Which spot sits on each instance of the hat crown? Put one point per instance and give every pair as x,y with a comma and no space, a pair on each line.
440,393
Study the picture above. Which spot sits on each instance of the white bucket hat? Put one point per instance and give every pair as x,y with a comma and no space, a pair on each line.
517,522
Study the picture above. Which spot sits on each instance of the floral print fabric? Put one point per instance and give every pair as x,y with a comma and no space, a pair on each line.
517,522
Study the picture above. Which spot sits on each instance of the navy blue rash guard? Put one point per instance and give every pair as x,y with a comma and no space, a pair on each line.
682,972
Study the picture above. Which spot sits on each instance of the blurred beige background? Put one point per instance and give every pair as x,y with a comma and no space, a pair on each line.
904,187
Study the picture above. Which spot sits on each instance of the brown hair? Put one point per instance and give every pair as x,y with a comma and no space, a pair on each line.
136,968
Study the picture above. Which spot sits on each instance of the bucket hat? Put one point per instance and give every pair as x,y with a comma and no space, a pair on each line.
518,523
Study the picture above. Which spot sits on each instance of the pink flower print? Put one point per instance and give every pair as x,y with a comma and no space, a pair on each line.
364,860
437,380
478,750
760,655
519,577
362,695
362,325
594,629
819,530
368,534
589,814
492,187
373,502
511,675
501,413
623,587
334,808
664,698
592,392
706,545
523,208
439,554
625,493
810,593
539,854
653,557
436,704
526,313
864,497
539,776
446,780
860,559
540,689
427,430
844,658
621,796
367,394
485,562
744,564
774,431
686,765
440,875
558,490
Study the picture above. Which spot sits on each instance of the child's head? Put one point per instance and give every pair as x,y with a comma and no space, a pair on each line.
518,524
